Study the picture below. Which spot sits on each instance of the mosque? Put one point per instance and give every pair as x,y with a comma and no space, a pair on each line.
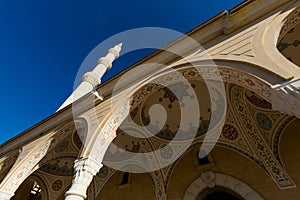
220,123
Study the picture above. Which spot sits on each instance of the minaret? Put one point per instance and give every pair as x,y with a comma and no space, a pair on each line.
90,80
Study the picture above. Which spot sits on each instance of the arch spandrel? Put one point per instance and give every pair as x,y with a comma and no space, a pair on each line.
280,25
254,45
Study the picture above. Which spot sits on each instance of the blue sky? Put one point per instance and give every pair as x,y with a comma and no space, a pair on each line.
43,43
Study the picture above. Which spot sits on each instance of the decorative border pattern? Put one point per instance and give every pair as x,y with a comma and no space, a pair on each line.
16,179
158,184
262,149
108,132
229,75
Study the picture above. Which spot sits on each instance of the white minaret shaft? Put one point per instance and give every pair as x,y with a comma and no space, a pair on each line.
90,80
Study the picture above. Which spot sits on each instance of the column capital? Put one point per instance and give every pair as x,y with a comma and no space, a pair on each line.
87,164
285,97
85,169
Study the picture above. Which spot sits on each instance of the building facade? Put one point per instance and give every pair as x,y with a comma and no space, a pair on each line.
250,94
